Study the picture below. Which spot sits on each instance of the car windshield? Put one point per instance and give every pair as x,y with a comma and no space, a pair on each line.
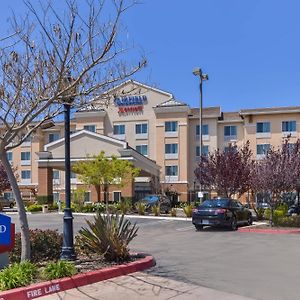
215,203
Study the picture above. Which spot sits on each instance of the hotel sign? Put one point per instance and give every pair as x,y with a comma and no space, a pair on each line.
130,104
5,234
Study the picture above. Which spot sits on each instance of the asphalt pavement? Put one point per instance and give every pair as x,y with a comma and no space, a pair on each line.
257,266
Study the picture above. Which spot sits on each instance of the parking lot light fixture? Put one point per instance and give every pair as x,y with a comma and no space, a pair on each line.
202,77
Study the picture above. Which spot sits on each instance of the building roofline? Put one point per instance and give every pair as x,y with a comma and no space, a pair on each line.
140,84
86,132
270,110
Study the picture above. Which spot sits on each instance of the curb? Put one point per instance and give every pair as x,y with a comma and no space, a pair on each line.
136,217
271,231
59,285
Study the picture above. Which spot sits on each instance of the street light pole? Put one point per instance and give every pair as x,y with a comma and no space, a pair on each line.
202,77
67,251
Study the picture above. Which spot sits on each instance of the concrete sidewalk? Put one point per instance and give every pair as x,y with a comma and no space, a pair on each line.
142,286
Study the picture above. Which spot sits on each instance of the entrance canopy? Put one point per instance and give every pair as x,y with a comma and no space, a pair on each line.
85,143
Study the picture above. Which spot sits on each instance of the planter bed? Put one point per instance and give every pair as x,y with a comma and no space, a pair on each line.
90,271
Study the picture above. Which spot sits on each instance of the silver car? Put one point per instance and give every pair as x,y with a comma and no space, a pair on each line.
7,202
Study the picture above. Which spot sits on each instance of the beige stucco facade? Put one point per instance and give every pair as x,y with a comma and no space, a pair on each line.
153,122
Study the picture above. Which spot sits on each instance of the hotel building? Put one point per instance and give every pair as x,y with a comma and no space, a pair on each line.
155,131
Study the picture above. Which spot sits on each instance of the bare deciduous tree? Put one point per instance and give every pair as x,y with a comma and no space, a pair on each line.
52,56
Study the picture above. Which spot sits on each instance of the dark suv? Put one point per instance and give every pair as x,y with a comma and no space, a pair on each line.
221,212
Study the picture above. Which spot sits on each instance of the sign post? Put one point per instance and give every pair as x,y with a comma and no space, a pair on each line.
6,239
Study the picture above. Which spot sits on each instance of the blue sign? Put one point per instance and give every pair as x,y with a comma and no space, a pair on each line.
130,100
5,223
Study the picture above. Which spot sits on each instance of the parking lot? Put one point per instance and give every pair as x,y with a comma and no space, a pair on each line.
259,266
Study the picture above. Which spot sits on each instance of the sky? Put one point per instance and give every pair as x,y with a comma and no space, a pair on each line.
249,48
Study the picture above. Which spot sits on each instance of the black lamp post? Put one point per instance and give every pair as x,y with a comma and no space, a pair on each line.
202,77
67,251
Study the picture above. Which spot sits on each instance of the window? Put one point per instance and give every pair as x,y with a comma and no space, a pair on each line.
25,155
143,149
141,128
9,156
117,196
171,126
263,127
25,174
55,174
119,129
72,175
56,197
53,137
204,150
171,148
262,149
171,170
91,128
87,196
288,126
230,131
204,129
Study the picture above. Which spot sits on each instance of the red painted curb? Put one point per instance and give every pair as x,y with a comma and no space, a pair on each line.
59,285
272,231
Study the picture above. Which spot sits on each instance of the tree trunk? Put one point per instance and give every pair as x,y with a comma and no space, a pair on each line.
98,190
24,228
105,197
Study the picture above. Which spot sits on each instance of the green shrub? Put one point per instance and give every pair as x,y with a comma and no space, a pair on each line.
156,210
277,214
173,212
141,208
45,245
34,208
45,199
188,210
260,212
293,221
125,205
17,275
108,235
53,206
59,269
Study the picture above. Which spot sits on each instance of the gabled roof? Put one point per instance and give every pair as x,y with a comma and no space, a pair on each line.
122,144
171,102
141,85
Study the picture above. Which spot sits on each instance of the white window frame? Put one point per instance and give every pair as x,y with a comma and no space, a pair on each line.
26,162
142,146
25,180
119,136
56,180
171,155
265,134
231,137
171,133
141,135
120,195
171,178
53,134
90,125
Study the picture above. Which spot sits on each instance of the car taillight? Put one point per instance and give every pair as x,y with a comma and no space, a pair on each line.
221,211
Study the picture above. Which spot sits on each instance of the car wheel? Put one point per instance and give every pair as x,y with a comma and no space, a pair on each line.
233,225
11,205
198,227
249,220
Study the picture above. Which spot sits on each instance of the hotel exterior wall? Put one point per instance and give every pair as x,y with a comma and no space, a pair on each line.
276,137
194,141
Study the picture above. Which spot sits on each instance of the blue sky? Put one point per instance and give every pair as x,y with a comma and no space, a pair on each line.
249,48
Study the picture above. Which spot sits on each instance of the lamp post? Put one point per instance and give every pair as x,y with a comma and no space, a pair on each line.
67,251
202,77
